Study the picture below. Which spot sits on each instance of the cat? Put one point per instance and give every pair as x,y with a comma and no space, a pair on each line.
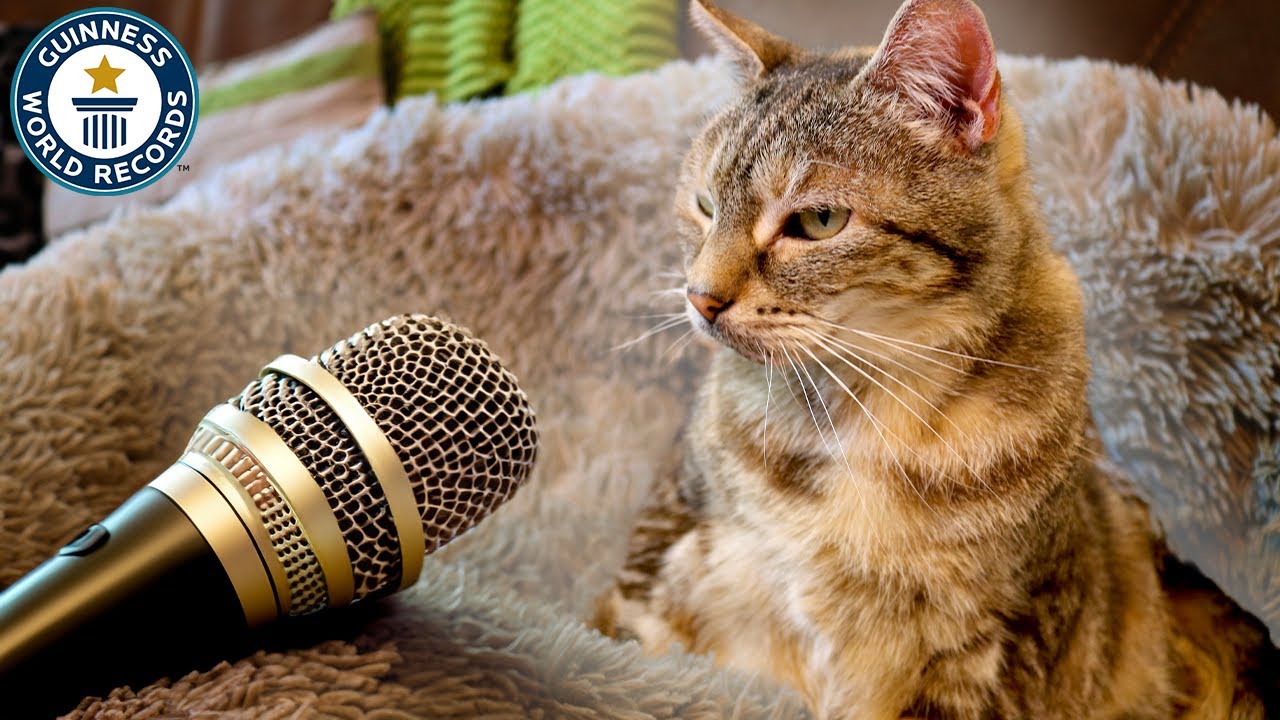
889,498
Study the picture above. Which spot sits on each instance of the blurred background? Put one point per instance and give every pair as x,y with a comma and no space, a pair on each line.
1229,45
274,66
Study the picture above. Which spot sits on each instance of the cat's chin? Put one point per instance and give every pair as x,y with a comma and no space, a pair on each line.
756,356
750,349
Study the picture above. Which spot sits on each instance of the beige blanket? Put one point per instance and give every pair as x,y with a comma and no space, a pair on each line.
541,222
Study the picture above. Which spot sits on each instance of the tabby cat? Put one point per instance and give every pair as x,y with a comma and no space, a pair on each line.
888,498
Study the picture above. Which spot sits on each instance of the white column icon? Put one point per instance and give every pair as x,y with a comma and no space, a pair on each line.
105,124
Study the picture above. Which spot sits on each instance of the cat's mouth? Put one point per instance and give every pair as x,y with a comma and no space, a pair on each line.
760,342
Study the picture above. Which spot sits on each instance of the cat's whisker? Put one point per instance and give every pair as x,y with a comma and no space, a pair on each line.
787,380
654,316
842,349
880,423
804,391
853,351
835,434
859,350
796,365
768,395
667,324
907,351
876,424
827,346
900,343
677,291
673,351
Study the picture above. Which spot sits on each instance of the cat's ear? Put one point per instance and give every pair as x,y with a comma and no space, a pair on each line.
756,51
938,56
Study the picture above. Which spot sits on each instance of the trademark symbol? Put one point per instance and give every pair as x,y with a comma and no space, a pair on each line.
183,167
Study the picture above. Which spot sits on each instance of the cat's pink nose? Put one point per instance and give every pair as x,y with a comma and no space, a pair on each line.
708,306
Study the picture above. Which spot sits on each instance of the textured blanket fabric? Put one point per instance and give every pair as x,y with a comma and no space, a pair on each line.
542,222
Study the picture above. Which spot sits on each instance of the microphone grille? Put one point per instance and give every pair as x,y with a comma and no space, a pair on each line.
456,417
314,433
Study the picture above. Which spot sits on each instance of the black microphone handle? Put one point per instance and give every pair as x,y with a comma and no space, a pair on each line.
136,597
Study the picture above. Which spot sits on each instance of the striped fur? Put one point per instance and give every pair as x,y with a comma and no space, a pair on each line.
890,499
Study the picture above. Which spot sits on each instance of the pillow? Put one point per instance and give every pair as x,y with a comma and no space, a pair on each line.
328,78
467,49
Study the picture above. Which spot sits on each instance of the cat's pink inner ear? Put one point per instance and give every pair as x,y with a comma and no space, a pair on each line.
939,55
977,55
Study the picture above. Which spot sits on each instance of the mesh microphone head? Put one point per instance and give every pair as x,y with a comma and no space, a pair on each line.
457,420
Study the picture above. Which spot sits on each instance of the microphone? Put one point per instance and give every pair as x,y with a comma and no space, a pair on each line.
322,484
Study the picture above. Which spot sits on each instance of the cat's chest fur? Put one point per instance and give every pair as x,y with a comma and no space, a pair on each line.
808,550
790,461
813,546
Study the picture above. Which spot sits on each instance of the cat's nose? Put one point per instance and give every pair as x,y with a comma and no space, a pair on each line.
708,306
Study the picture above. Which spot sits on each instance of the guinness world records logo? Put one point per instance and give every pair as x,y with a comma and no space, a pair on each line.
104,101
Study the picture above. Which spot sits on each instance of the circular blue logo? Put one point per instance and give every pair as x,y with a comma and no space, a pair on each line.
104,101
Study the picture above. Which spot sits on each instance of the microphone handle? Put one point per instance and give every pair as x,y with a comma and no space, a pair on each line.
140,596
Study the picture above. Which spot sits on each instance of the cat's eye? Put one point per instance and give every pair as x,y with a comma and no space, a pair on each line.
816,223
705,205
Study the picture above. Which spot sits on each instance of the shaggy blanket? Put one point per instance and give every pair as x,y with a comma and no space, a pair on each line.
542,222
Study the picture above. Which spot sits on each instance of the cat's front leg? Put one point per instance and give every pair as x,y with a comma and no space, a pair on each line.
652,616
862,682
642,604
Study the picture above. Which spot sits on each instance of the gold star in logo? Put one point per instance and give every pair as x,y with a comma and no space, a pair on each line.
104,76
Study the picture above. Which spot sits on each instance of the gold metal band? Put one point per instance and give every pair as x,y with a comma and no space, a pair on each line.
382,457
223,530
299,489
238,498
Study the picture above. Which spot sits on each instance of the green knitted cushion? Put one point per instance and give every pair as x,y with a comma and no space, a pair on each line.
479,46
392,26
462,49
555,38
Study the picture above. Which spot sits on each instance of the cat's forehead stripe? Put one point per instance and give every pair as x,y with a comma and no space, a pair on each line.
802,172
792,102
759,161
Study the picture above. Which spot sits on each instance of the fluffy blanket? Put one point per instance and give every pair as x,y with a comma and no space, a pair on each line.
542,222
